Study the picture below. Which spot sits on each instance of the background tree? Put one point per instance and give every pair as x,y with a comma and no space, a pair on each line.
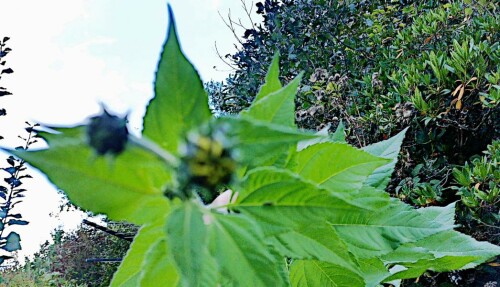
65,260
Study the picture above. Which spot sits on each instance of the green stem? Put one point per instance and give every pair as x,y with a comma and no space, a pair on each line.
169,158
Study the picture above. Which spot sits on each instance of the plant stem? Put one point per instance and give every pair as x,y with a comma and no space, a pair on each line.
169,158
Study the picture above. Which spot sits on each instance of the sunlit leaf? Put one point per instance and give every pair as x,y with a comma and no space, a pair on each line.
188,246
241,254
128,187
180,102
387,149
157,267
129,272
460,251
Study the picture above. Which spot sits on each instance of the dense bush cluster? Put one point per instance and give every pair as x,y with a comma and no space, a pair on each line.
380,66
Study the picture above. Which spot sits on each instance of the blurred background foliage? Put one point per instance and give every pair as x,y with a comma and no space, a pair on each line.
63,260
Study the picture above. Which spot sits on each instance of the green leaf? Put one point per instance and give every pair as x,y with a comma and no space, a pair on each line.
318,241
387,149
259,143
335,166
157,267
287,202
180,102
323,136
129,272
277,107
237,245
130,187
373,271
188,244
339,134
382,231
13,242
308,273
459,252
272,83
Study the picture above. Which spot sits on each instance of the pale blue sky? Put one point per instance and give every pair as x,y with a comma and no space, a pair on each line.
68,56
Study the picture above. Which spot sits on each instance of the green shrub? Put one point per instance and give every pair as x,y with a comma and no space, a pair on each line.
478,184
379,66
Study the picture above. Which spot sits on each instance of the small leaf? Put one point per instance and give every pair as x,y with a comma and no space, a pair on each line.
12,242
259,143
5,93
18,222
13,181
272,83
4,257
11,170
277,107
7,71
387,149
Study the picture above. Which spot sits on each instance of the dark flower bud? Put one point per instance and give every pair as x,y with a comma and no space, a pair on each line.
107,133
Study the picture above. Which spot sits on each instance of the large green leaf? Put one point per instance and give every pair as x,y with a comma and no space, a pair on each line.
370,227
188,244
180,102
282,199
459,252
277,107
157,267
237,245
129,272
336,166
387,149
129,187
309,273
380,232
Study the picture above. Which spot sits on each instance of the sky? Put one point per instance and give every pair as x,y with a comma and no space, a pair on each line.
71,56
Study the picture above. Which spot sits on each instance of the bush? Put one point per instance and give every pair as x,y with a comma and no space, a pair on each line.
63,261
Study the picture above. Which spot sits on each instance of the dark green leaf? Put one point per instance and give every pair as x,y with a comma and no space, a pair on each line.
12,242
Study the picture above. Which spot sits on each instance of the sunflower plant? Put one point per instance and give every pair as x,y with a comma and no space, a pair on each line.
247,200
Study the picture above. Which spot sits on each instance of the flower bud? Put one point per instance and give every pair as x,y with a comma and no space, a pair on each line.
107,133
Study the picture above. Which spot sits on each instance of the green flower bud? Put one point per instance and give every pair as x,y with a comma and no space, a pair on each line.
207,160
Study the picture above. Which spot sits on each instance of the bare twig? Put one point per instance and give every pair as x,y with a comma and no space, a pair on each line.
128,237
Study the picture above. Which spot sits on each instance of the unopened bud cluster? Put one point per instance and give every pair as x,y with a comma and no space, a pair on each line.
107,133
207,160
